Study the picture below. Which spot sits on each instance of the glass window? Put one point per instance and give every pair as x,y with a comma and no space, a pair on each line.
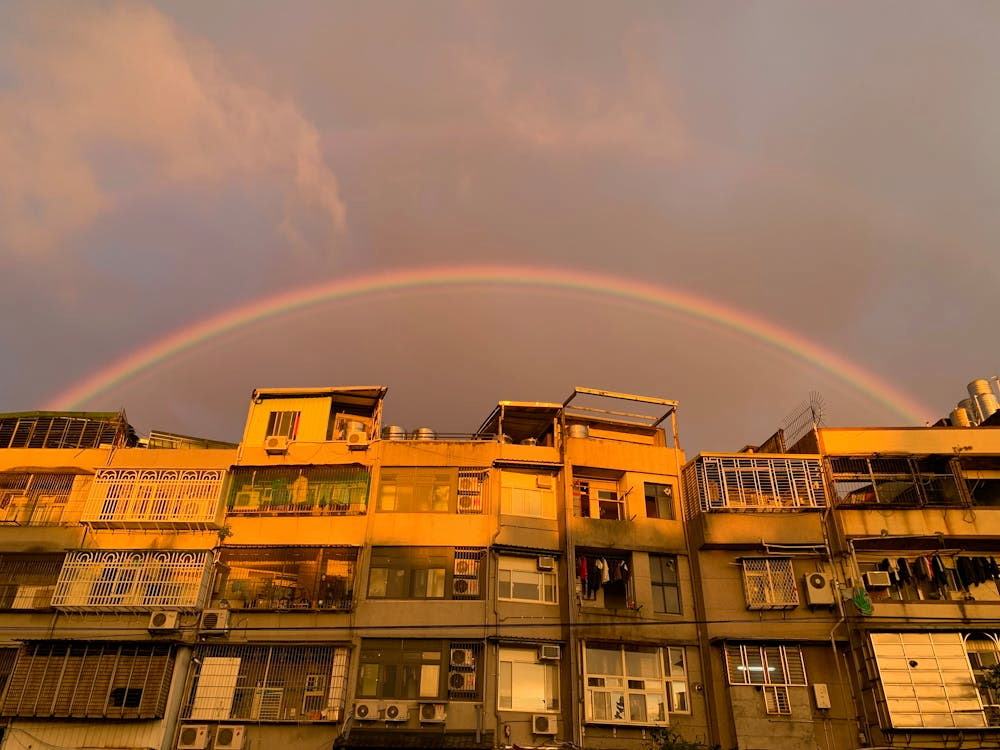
598,498
754,664
424,573
286,578
525,683
524,493
663,577
625,684
432,490
769,583
283,423
675,666
520,579
659,500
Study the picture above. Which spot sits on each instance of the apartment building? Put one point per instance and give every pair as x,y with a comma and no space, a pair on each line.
333,581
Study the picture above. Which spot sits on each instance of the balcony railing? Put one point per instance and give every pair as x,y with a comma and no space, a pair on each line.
27,581
40,499
155,498
314,490
133,580
746,483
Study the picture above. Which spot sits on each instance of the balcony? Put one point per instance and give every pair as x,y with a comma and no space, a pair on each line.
133,580
754,484
164,499
315,490
38,499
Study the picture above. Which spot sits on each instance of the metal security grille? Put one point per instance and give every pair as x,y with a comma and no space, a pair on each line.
129,580
90,680
764,664
320,490
28,581
286,578
48,430
776,700
769,583
137,498
38,499
466,580
898,481
267,683
744,483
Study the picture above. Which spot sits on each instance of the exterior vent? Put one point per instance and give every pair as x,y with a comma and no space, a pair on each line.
214,622
229,737
546,562
193,737
465,587
544,724
276,445
461,682
366,711
462,657
432,713
877,579
164,621
818,591
396,712
549,652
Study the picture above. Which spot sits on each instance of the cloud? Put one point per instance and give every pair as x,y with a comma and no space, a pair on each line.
98,91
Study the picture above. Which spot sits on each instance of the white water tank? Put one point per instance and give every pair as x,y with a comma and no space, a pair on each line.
425,433
960,417
394,432
988,404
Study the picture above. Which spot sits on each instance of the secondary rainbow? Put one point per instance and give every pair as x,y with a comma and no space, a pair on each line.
675,300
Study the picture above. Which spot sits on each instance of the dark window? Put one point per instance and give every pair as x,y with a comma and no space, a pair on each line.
283,423
659,500
286,578
425,573
415,669
663,575
126,697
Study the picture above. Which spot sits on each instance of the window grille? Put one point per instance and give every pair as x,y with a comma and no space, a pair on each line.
862,480
38,499
753,484
776,699
319,490
130,580
28,581
286,578
90,680
764,664
124,498
769,583
34,430
420,669
283,423
267,683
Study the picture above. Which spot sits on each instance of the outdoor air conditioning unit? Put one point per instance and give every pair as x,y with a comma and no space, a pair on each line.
229,737
462,657
877,579
276,444
470,504
465,587
546,562
214,622
396,712
549,652
461,682
544,724
163,621
366,711
818,590
357,440
193,737
432,713
469,568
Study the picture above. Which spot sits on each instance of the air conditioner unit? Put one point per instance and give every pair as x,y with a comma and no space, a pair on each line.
818,590
546,562
465,587
462,657
432,713
461,682
229,737
877,579
366,711
469,484
276,444
470,504
165,620
544,724
193,737
468,568
396,712
549,652
357,439
543,482
214,622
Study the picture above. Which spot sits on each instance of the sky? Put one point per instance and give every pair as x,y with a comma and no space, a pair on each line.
826,170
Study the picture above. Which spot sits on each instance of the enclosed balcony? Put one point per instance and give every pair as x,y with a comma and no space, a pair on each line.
40,498
133,580
165,499
753,483
306,490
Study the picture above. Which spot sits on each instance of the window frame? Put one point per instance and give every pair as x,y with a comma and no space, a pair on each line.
425,571
389,667
662,502
624,693
283,423
432,489
528,658
786,660
598,498
516,496
767,581
528,567
659,588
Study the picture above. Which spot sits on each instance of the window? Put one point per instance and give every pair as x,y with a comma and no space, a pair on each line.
598,498
521,579
425,573
663,578
769,583
932,577
718,483
675,664
28,581
286,578
624,684
283,423
416,669
897,481
764,664
123,680
525,683
432,490
928,680
659,500
983,650
605,580
35,499
525,493
267,683
313,490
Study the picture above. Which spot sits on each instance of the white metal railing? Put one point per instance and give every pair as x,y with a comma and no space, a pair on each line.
136,498
714,483
133,580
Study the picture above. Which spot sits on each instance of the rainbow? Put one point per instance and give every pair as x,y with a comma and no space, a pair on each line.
657,296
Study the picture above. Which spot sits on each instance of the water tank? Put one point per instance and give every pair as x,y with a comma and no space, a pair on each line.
979,387
988,404
393,432
579,431
960,417
425,433
970,408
